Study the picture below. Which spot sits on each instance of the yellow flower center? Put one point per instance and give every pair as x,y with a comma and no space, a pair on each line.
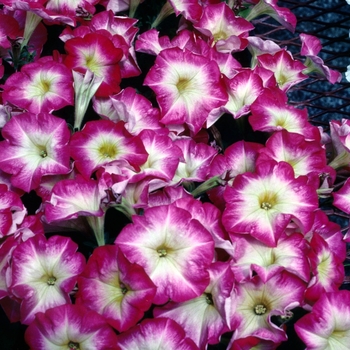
162,252
73,346
260,309
44,86
108,150
51,281
221,35
92,64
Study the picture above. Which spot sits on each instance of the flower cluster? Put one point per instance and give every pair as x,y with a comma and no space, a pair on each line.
181,197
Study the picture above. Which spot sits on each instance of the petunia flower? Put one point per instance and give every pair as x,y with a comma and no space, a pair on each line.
115,288
103,142
70,327
225,30
40,87
257,301
340,136
159,333
173,248
97,53
44,272
253,257
306,157
271,112
35,145
263,203
287,71
310,47
328,324
133,108
187,87
204,318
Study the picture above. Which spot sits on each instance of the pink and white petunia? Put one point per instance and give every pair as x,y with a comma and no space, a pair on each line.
115,288
190,9
12,211
35,145
102,142
326,267
306,157
204,318
187,86
70,327
72,198
133,108
242,89
196,160
257,301
310,47
253,257
328,324
163,157
225,30
282,15
159,333
97,53
287,71
271,112
44,272
340,136
40,87
342,197
174,249
263,203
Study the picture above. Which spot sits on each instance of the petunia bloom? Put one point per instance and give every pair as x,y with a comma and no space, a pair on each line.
174,249
44,272
328,324
40,87
187,87
263,203
35,145
70,327
115,288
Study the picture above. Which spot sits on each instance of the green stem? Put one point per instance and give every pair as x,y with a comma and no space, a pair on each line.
215,181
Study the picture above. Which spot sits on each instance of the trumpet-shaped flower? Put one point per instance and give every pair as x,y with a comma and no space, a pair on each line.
159,333
306,157
115,288
287,71
97,53
271,112
263,203
256,301
103,142
327,327
70,327
219,23
44,272
187,87
204,318
133,108
174,249
252,257
35,145
40,87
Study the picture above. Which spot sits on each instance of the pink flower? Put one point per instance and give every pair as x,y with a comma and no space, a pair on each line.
257,301
204,318
287,71
40,87
159,333
328,324
115,288
103,142
97,53
35,145
173,248
71,327
342,197
271,112
225,30
44,272
187,87
263,203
